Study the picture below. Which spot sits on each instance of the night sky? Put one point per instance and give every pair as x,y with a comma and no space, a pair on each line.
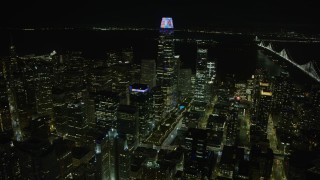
186,13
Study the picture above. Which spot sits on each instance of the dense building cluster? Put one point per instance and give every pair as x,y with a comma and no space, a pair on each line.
64,116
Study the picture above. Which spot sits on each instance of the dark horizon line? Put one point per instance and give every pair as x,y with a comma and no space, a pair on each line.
270,27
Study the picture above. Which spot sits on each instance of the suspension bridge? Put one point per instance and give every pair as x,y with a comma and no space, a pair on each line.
309,68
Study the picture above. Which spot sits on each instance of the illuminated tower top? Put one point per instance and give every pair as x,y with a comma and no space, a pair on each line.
166,23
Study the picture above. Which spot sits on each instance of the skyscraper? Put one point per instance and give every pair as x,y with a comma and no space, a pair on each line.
201,77
281,88
263,110
148,72
43,71
232,128
102,156
185,82
167,63
127,124
198,160
127,56
106,105
157,104
76,114
210,79
123,154
37,159
140,97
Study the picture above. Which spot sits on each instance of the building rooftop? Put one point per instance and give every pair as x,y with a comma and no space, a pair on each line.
148,152
139,87
265,93
216,118
79,152
105,94
127,109
197,133
263,84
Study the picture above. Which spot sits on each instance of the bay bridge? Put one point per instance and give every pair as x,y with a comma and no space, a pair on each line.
309,68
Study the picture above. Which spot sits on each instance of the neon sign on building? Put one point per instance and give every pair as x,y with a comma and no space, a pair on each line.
166,23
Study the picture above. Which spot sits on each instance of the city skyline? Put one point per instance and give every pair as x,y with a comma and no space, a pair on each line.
106,103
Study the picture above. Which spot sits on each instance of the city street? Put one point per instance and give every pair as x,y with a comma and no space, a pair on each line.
272,136
244,129
277,168
203,121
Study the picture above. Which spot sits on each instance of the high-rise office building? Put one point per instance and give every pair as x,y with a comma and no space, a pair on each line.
127,56
102,156
167,64
198,161
141,97
119,79
232,128
76,116
112,155
142,156
106,105
59,110
157,104
148,72
113,135
262,103
40,126
70,96
176,76
282,104
43,85
64,156
233,164
37,159
127,123
211,72
98,79
185,82
201,78
119,155
261,161
281,90
74,74
263,110
210,80
123,154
